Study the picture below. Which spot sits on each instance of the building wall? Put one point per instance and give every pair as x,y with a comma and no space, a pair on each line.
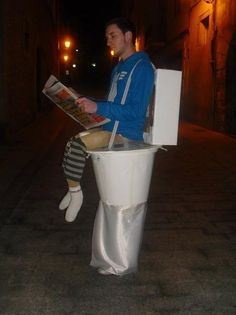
188,47
147,16
225,16
29,44
199,96
199,39
2,90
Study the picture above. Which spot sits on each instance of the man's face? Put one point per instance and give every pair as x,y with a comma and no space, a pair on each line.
116,40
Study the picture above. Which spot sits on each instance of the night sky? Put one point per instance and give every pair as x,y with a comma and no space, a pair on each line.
85,22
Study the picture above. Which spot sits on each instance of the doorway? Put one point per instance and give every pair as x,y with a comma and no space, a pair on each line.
230,88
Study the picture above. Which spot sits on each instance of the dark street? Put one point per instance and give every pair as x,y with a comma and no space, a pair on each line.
187,263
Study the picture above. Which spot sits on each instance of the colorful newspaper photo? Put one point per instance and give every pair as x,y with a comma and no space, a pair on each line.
65,97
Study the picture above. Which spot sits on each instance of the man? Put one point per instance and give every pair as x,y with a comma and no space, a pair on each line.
129,95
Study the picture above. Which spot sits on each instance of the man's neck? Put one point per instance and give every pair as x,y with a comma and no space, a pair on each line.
128,53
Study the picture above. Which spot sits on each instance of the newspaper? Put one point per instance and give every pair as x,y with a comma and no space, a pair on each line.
65,97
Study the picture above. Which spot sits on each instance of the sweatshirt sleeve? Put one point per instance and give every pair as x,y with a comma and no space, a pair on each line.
137,99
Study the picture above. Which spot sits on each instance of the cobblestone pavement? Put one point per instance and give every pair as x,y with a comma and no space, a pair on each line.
187,263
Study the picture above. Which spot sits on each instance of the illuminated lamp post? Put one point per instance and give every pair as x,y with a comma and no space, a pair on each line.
66,57
67,44
112,58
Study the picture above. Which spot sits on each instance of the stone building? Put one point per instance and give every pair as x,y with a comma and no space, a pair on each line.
199,38
28,43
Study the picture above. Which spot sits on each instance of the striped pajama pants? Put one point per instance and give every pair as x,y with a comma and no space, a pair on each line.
74,159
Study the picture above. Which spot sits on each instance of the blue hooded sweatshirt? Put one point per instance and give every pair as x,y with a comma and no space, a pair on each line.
131,115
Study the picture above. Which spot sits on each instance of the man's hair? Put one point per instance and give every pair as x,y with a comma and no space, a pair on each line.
124,25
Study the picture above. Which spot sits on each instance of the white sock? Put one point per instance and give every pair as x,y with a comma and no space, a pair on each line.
65,201
75,203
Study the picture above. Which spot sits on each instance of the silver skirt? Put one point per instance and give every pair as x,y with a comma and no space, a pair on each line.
117,237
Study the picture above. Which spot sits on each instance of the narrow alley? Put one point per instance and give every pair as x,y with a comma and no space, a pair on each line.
187,263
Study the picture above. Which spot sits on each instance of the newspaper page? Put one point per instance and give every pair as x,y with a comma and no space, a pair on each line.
65,97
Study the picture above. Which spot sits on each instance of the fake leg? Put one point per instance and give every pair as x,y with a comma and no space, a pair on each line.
73,165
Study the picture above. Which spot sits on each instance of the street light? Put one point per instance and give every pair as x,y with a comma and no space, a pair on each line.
66,58
67,51
67,43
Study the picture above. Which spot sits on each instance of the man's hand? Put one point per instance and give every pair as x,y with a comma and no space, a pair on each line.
86,105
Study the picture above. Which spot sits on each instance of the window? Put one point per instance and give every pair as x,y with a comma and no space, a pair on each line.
203,28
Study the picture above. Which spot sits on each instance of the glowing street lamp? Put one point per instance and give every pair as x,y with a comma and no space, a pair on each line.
66,58
67,44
